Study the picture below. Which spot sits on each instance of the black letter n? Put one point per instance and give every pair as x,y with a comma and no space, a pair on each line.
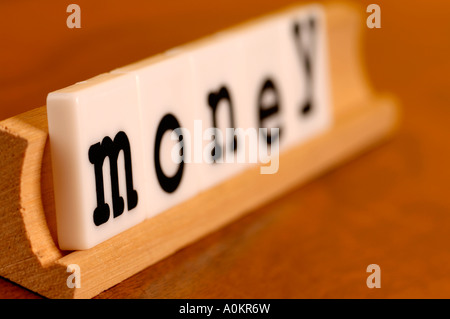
97,154
213,101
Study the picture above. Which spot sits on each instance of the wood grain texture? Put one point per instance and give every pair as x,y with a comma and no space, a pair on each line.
388,206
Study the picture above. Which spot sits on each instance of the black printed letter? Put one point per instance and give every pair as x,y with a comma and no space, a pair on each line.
169,184
266,111
306,57
213,101
97,154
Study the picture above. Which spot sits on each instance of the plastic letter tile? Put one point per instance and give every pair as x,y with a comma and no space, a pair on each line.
305,70
165,89
287,72
222,105
266,82
98,167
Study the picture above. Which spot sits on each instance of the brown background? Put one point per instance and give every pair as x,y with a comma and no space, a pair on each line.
390,206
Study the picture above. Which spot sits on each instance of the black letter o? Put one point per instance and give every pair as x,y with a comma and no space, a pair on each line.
169,184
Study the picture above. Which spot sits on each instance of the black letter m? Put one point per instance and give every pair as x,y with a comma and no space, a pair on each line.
97,154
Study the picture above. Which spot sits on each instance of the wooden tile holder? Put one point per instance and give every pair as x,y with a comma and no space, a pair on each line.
30,256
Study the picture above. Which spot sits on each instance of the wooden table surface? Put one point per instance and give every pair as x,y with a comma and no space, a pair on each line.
389,206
